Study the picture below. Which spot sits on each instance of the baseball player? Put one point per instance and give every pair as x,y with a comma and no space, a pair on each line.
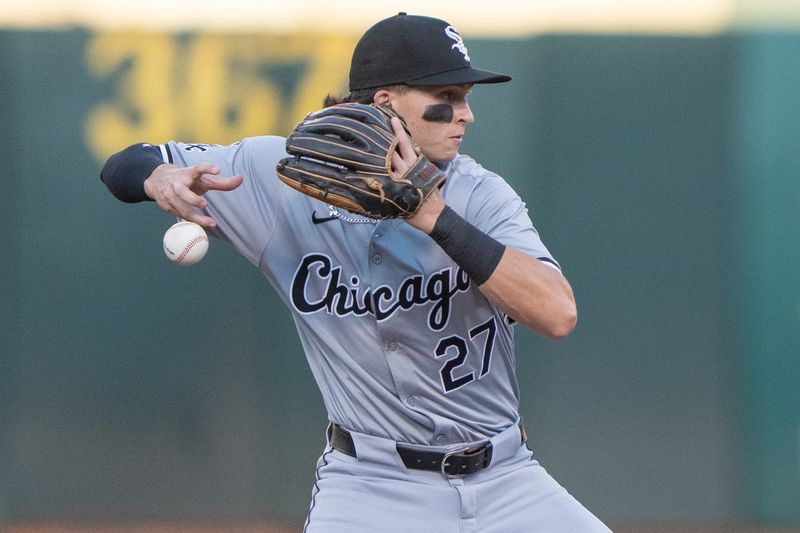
407,323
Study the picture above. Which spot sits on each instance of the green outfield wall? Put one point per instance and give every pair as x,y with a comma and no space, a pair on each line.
663,172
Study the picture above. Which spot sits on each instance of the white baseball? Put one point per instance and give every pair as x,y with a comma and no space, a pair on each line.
185,243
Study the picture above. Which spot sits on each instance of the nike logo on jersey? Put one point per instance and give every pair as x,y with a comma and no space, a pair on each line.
322,220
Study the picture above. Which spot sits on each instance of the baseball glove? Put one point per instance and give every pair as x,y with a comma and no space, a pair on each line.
343,156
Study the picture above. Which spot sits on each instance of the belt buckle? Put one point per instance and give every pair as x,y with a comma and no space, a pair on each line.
443,465
486,449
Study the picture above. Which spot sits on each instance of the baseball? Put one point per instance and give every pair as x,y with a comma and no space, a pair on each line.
185,243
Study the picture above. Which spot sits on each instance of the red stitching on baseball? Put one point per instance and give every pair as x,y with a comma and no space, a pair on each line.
188,248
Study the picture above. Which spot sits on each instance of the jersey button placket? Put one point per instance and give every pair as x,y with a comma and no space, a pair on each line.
382,243
377,257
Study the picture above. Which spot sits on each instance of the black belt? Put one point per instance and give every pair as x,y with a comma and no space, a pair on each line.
456,463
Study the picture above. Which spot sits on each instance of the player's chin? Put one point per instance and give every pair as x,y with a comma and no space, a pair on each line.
445,155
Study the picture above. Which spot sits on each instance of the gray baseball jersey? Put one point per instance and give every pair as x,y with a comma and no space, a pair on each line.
404,348
400,341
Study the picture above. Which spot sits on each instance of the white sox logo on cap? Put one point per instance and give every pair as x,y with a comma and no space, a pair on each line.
452,32
415,51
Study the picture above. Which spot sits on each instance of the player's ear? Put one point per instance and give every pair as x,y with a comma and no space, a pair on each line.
382,97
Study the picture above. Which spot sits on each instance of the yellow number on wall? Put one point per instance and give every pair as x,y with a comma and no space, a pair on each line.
142,106
210,88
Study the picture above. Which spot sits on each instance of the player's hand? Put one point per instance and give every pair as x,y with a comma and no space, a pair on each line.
179,191
403,159
428,213
407,152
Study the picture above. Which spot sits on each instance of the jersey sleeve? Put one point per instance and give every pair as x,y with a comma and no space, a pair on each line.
245,216
499,211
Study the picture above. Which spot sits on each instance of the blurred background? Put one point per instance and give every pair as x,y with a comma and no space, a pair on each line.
657,145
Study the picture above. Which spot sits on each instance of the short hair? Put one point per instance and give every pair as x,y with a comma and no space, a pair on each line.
362,96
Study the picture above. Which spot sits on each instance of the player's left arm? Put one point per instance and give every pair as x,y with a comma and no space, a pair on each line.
532,292
529,290
524,287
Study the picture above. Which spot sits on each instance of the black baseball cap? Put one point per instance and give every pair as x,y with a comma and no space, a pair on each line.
414,50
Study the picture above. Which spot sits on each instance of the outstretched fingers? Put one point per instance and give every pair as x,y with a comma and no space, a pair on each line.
179,191
221,184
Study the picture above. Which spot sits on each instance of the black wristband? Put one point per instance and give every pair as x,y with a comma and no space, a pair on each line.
474,251
125,172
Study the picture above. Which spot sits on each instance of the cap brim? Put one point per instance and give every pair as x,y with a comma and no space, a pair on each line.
460,76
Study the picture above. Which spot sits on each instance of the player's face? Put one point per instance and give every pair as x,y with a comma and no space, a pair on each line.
436,116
